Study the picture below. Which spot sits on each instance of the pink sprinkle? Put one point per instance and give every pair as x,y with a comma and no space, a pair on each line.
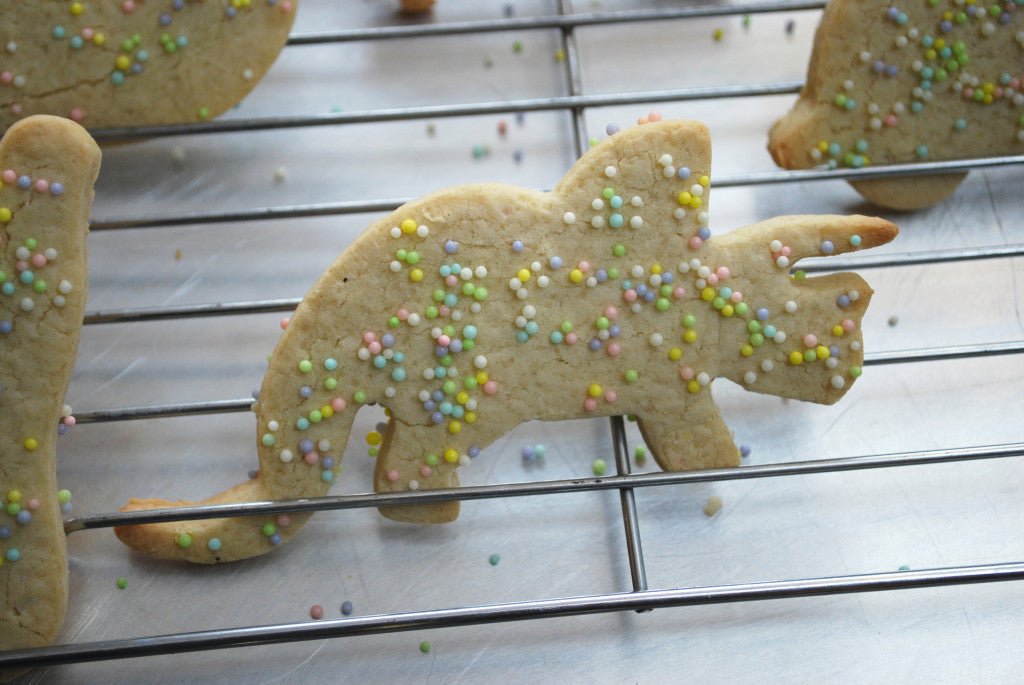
9,176
369,337
32,504
42,185
311,457
286,7
16,108
892,120
571,338
374,347
723,272
590,404
128,6
444,340
614,349
655,115
1015,83
786,251
21,265
69,421
736,296
712,279
39,260
490,387
686,373
641,121
316,611
425,471
611,312
611,396
402,314
444,310
584,267
451,280
997,92
629,295
6,76
393,475
284,520
968,93
88,33
695,242
848,325
338,404
810,340
679,292
284,322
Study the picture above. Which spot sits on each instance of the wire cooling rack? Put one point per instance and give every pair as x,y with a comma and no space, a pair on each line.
205,235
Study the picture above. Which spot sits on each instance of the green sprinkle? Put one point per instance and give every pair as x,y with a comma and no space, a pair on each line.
856,371
31,243
753,326
608,193
631,375
619,250
401,254
800,275
662,304
431,460
269,529
741,308
331,383
480,294
268,440
495,559
566,326
359,397
63,496
599,467
184,540
413,257
394,322
122,583
640,453
424,646
305,366
613,273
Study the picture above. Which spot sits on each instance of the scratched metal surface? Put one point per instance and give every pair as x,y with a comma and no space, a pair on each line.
768,529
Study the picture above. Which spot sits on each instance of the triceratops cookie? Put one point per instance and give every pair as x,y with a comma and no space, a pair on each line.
135,62
893,82
47,169
480,307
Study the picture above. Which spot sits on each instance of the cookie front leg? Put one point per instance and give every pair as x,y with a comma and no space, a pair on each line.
405,462
688,432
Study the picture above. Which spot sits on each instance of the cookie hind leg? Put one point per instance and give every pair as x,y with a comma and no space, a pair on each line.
406,463
689,434
908,193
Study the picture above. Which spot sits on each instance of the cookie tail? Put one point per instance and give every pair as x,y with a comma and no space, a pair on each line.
48,166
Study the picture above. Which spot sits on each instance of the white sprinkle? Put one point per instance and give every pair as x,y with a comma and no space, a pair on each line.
703,378
428,374
782,262
480,272
665,159
424,395
520,321
704,271
832,362
475,307
696,190
855,346
610,171
414,319
396,232
838,382
59,301
287,456
389,391
636,221
64,287
543,281
591,282
414,485
703,218
535,266
464,460
12,46
514,284
683,267
791,306
480,362
529,311
597,222
749,377
655,280
280,174
656,340
679,213
22,252
597,204
422,231
396,266
636,201
694,263
569,218
636,271
780,337
273,426
604,334
865,56
388,353
466,273
636,307
470,405
775,245
854,295
363,354
521,294
669,172
27,304
50,254
767,365
247,74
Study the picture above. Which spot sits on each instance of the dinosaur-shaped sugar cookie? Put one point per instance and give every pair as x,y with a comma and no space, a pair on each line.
47,169
906,81
477,308
114,63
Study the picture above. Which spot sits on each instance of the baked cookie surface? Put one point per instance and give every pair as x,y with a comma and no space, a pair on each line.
479,307
903,82
47,169
135,62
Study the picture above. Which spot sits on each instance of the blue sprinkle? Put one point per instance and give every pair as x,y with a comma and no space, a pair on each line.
595,344
56,188
305,391
438,395
517,245
306,446
23,517
275,539
704,233
843,300
555,262
612,129
5,532
762,314
24,182
683,172
827,247
5,327
346,608
327,462
450,246
473,451
437,417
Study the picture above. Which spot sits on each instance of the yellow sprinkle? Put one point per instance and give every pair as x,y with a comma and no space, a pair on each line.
451,456
823,145
707,294
576,276
837,330
690,336
523,275
374,438
31,444
5,214
594,390
693,386
462,397
695,202
728,310
684,198
675,353
416,275
99,39
454,427
408,226
705,181
76,8
747,350
326,411
14,496
469,417
822,352
481,377
796,358
123,62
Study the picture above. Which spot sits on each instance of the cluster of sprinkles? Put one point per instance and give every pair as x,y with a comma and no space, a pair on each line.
81,31
928,49
24,288
434,349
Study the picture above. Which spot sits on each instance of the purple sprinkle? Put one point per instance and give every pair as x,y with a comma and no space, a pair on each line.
165,18
24,182
878,67
650,295
178,4
65,507
455,346
744,450
450,246
136,68
827,247
429,405
24,517
611,129
704,233
762,314
667,277
614,330
254,474
327,462
555,262
387,340
527,453
438,395
275,539
437,417
346,608
231,12
946,26
62,429
473,451
1004,18
833,350
5,532
601,275
892,13
5,327
641,289
892,70
56,188
595,344
305,391
843,300
517,245
683,172
440,351
306,446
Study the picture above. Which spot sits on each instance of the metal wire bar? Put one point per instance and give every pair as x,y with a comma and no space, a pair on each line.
904,259
513,611
574,485
559,21
248,125
928,354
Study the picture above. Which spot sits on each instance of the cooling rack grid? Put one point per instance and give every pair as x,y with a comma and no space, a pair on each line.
205,236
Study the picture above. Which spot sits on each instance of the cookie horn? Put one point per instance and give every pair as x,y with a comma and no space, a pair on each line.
47,170
798,237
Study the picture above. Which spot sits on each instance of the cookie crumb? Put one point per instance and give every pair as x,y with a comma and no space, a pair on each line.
713,506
